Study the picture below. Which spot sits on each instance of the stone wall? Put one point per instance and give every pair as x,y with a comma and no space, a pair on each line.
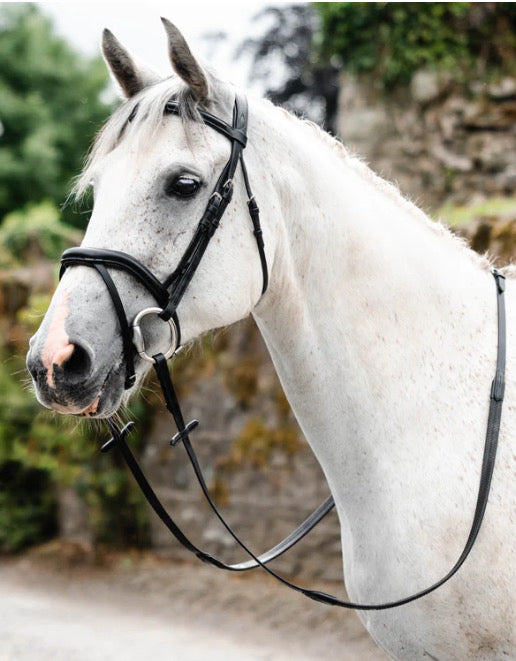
493,234
260,469
438,140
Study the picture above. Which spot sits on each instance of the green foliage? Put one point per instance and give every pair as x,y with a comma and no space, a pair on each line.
257,442
49,450
27,506
393,40
461,215
241,380
35,231
50,109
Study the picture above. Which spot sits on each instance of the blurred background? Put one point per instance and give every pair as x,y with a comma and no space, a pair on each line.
425,92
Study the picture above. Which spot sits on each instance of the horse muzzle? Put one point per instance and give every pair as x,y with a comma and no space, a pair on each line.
67,381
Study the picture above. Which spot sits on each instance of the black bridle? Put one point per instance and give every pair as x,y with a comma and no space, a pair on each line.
168,295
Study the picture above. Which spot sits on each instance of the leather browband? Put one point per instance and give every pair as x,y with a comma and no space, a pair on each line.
213,122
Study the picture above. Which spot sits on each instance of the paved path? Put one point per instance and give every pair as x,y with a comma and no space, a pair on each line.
41,627
125,616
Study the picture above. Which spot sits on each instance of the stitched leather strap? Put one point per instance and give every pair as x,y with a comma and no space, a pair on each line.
254,212
127,339
99,259
117,260
234,133
179,280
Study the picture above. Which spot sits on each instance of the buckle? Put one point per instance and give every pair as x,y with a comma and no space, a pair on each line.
498,387
500,279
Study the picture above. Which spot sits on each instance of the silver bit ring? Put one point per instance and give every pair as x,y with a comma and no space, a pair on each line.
139,341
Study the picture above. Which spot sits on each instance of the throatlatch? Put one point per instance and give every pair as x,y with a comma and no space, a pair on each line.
168,296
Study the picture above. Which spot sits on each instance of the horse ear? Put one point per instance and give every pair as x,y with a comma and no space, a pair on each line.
184,63
131,78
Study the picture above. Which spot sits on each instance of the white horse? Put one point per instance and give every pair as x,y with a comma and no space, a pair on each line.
380,323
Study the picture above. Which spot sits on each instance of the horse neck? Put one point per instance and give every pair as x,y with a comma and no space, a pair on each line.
377,320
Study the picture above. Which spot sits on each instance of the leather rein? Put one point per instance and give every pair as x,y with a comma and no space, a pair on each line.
168,295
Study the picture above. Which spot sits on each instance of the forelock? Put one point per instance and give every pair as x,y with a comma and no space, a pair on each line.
142,115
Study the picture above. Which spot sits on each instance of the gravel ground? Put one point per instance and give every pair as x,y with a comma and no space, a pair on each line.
142,608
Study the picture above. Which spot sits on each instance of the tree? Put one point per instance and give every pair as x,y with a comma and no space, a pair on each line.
285,61
391,41
50,109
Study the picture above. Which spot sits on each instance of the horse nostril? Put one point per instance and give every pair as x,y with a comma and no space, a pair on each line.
76,365
33,365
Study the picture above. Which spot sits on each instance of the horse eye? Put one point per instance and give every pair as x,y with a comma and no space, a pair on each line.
185,185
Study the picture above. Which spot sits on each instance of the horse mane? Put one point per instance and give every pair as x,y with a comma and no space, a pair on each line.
142,115
391,190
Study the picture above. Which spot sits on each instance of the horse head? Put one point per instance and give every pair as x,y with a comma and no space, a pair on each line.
153,174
